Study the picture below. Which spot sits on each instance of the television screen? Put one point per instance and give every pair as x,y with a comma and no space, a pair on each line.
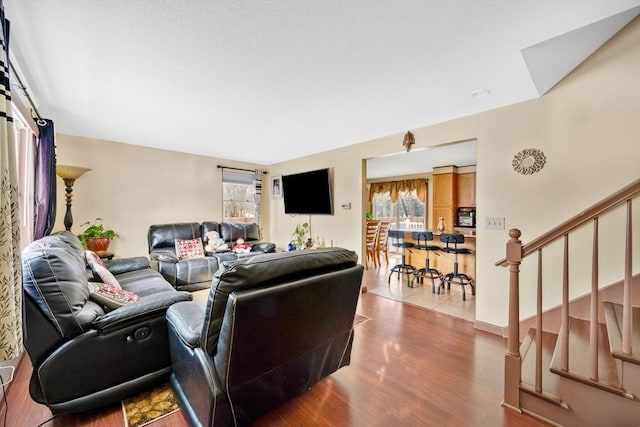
307,193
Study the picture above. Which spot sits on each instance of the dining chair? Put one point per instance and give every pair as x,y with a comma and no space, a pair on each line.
371,238
382,243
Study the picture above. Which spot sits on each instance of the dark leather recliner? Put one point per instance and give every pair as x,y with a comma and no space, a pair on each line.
196,273
85,356
187,274
273,326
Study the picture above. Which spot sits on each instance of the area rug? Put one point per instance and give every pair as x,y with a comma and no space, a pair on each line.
149,406
360,319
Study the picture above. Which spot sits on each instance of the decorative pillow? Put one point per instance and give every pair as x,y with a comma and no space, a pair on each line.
187,249
92,257
110,296
101,273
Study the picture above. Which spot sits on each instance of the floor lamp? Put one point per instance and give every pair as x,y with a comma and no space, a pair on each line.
69,174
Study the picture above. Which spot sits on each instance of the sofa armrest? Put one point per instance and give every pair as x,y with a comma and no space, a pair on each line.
265,247
163,256
124,265
149,306
187,319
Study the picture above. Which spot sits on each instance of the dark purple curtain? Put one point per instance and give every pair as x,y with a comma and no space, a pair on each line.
45,180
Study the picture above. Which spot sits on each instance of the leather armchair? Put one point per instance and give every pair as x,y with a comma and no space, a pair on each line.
273,326
187,274
197,273
231,231
84,355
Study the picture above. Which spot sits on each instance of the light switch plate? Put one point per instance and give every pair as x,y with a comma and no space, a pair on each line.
495,223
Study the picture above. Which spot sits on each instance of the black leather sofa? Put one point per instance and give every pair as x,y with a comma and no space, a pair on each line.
273,326
85,355
196,273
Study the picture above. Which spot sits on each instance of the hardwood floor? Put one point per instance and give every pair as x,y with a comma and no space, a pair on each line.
409,367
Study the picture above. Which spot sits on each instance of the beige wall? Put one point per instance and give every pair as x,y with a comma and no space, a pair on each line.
588,127
132,187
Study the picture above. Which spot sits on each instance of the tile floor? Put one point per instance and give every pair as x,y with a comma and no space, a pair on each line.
448,302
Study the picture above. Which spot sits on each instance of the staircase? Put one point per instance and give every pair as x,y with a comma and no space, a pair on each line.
584,368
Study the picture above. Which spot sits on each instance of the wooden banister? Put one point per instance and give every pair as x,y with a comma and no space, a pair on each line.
516,251
627,316
512,360
589,214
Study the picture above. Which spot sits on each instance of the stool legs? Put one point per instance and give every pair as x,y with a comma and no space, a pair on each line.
457,279
428,272
402,268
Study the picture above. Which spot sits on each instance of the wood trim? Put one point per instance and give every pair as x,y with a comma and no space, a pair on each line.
490,328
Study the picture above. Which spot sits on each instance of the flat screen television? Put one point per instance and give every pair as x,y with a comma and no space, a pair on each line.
308,193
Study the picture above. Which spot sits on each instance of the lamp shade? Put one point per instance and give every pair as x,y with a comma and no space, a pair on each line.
70,172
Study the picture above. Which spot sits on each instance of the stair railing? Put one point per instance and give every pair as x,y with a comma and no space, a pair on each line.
516,251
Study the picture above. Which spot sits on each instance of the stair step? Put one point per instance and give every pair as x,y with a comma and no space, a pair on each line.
579,361
550,382
613,317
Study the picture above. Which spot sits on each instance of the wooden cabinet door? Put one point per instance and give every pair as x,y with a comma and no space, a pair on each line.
467,190
445,199
445,189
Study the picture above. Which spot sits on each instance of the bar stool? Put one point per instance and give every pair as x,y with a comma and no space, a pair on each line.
423,238
456,277
397,240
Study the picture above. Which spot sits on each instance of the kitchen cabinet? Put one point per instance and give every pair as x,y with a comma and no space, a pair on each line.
467,190
445,197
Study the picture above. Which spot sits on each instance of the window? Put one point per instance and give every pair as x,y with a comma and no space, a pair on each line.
238,196
25,152
408,211
401,202
410,208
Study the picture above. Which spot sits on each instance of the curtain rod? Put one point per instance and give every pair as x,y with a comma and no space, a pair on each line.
22,87
239,169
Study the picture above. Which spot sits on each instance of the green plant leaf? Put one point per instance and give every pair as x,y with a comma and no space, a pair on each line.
96,230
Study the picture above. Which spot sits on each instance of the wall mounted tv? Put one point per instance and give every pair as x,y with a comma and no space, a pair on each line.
308,193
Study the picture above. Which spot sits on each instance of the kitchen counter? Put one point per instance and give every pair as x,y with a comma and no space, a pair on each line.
443,261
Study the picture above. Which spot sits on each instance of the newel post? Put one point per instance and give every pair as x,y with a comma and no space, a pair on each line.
512,362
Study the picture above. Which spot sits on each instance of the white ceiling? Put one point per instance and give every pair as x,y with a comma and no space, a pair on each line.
268,81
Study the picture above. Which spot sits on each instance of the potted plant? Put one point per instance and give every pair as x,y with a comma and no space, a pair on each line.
299,235
95,238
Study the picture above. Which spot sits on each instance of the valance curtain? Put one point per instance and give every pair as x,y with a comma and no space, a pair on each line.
395,187
45,180
10,269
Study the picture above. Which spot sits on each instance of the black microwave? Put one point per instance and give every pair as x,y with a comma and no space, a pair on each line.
466,217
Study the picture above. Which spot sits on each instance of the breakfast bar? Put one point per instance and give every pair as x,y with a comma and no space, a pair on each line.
443,261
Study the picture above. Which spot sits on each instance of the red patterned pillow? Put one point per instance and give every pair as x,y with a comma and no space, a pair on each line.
111,296
187,249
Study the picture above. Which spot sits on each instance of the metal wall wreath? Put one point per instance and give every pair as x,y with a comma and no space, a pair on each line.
528,161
